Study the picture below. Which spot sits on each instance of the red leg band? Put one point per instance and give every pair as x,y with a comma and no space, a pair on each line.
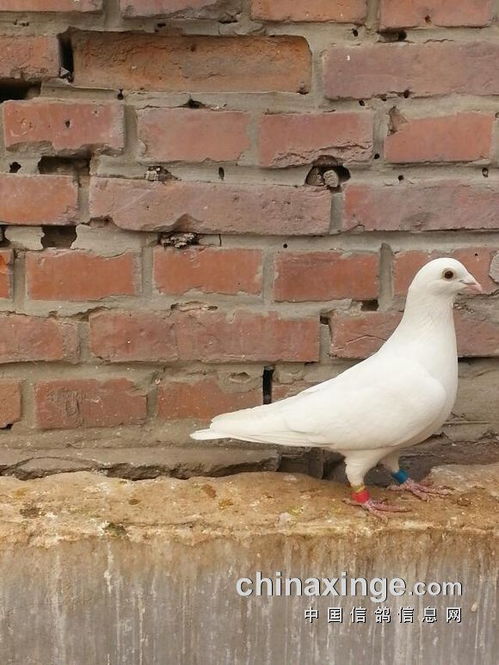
361,496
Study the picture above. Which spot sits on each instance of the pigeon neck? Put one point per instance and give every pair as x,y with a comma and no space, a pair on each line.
426,308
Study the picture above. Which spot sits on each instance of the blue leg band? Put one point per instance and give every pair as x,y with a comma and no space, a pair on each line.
400,476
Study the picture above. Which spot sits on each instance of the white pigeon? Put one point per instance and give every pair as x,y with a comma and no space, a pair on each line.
394,399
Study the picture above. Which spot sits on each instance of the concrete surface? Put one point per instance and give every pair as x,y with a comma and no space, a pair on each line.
106,571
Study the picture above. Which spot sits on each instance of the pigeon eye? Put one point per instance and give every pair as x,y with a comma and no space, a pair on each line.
448,274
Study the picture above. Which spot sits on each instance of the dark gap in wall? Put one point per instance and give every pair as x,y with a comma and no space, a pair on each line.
485,172
221,173
64,166
268,373
369,306
3,240
324,319
120,94
393,35
67,59
7,427
193,104
18,90
58,236
14,167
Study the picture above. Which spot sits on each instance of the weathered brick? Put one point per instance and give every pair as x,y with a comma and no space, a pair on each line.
203,335
193,135
208,269
202,399
10,402
302,276
360,336
51,6
421,70
71,403
424,13
27,338
213,9
204,207
476,259
292,139
424,206
63,127
38,199
344,11
6,261
29,58
66,274
463,137
135,61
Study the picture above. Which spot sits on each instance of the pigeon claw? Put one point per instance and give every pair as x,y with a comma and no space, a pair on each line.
422,490
379,509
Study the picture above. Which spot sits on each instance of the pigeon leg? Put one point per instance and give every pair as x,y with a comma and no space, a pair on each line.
357,465
423,490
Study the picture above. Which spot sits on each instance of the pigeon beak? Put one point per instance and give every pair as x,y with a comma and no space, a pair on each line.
471,283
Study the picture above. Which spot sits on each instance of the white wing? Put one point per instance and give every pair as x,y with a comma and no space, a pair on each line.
381,402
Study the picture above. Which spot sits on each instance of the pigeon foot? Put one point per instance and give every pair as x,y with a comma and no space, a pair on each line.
379,509
422,490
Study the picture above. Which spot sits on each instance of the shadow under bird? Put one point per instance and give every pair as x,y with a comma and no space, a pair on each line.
394,399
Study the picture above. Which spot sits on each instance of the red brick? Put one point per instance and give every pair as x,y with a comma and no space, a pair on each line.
65,274
193,135
71,403
135,61
10,402
29,58
204,336
65,126
207,269
423,206
463,137
302,276
204,207
342,11
361,336
51,6
38,199
476,259
182,8
432,68
202,399
28,338
292,139
445,13
6,261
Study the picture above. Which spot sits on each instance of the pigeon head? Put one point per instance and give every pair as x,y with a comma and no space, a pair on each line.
445,277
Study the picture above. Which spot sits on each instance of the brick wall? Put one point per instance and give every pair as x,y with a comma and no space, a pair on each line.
205,202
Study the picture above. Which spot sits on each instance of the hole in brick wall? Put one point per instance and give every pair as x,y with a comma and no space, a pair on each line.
177,240
285,245
376,155
18,90
221,173
193,104
324,319
327,172
159,174
400,178
68,123
362,102
159,26
406,93
58,236
369,306
427,19
14,167
268,372
120,94
303,90
67,59
485,172
3,240
7,427
355,32
393,35
64,166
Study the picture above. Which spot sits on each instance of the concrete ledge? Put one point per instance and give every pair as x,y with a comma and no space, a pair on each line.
105,570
